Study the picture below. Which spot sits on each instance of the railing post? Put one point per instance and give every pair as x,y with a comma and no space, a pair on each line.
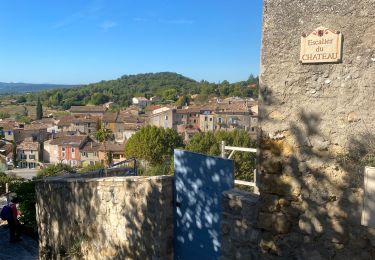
223,149
7,192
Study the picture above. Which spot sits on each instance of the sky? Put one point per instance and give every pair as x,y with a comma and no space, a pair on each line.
82,41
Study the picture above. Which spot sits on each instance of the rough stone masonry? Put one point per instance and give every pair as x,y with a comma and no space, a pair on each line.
311,116
105,218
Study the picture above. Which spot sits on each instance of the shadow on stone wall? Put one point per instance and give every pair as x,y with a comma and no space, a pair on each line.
311,199
121,217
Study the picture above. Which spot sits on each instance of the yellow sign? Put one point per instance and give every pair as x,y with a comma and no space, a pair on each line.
321,46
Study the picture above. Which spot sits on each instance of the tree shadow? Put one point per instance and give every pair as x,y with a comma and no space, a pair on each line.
108,217
305,178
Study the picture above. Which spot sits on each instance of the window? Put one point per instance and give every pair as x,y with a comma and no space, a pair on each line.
63,154
63,149
73,150
211,119
205,118
195,121
252,129
31,151
89,124
94,153
166,117
220,120
32,157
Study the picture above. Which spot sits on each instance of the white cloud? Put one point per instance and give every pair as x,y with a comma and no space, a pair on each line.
108,24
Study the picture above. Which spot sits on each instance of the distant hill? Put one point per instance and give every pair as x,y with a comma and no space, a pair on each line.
167,85
28,87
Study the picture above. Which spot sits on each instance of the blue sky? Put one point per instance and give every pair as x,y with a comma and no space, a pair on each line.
82,41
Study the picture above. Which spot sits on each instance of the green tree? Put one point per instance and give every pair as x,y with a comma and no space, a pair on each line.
153,145
183,101
99,98
210,142
4,115
103,135
39,110
15,160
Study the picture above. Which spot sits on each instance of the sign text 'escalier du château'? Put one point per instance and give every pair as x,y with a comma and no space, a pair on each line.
321,46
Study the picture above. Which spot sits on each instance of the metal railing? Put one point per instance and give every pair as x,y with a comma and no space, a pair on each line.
233,149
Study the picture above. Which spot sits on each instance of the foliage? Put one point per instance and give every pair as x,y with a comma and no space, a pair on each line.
183,101
153,145
103,135
4,115
53,170
210,142
39,110
361,151
26,194
23,119
165,168
167,85
91,168
3,180
14,154
99,98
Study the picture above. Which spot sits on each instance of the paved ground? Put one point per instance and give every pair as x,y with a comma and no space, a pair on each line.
24,173
27,249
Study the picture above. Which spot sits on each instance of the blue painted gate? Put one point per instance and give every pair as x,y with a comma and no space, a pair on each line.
199,183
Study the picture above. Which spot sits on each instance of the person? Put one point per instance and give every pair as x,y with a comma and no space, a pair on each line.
13,222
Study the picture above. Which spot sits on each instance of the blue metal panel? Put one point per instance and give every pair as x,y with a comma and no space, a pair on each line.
199,183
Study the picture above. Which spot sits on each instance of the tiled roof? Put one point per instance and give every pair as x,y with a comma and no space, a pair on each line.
111,147
6,148
67,120
71,140
87,109
28,145
91,146
110,117
36,126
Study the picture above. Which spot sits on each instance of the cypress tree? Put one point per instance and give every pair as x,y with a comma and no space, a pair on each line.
39,110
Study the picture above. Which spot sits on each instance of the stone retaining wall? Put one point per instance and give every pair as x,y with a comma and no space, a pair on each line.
240,234
115,217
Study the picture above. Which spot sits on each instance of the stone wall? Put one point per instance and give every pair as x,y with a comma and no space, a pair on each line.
96,218
311,115
240,234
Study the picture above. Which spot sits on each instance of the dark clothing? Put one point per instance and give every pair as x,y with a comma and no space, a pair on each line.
12,230
13,225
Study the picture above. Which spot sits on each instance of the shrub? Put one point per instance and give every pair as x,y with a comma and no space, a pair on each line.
91,168
26,194
54,170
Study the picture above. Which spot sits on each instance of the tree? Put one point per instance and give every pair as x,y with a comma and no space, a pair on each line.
209,143
99,98
183,101
153,145
4,115
103,135
15,161
39,110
